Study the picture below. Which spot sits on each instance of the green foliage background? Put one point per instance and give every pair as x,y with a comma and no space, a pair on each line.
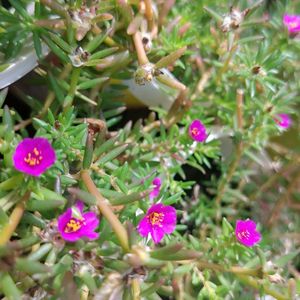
248,171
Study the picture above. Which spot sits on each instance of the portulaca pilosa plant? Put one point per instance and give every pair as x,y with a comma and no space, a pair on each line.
194,196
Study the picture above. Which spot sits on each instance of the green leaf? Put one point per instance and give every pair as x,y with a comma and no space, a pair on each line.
283,260
84,196
56,88
8,287
89,83
96,42
126,199
57,51
21,10
170,59
37,44
106,146
103,53
31,267
213,13
164,252
61,43
226,227
41,205
112,154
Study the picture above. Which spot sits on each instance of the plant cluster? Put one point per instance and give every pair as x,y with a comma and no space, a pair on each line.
197,200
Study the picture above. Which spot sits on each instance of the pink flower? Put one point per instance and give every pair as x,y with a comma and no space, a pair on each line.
158,221
283,120
74,224
292,22
34,156
197,131
155,192
246,234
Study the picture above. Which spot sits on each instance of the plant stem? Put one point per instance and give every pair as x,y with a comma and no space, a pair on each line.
9,288
284,198
140,51
229,57
49,99
271,180
148,10
255,284
106,211
257,272
239,151
239,108
136,291
73,85
14,220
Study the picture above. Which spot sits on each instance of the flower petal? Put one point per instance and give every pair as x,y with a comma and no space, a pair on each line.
157,234
91,220
144,227
155,208
71,237
79,204
64,219
91,235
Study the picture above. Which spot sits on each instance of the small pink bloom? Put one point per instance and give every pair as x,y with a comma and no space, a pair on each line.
292,22
73,226
34,156
245,232
197,131
283,120
155,192
158,221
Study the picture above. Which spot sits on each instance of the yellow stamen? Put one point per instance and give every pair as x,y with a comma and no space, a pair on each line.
244,234
73,225
156,218
33,158
195,131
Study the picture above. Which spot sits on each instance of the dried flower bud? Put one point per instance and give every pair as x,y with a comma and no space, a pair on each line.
82,19
233,20
258,70
147,41
144,73
79,57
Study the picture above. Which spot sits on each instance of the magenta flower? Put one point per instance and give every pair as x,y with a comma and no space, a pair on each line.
34,156
158,221
197,131
73,224
283,120
292,22
155,192
245,232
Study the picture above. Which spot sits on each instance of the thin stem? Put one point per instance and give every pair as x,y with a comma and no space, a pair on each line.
257,285
140,51
14,220
136,290
202,83
268,184
229,57
239,108
73,85
107,211
171,82
234,164
175,112
283,199
148,10
49,99
257,272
